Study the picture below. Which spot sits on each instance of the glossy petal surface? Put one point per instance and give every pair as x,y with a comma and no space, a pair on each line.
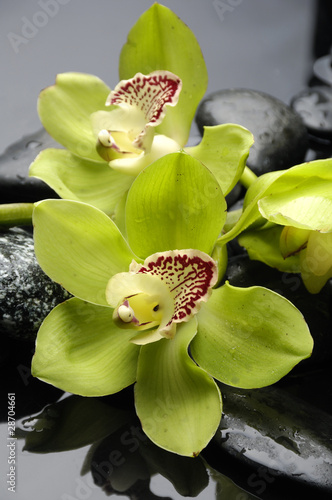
224,150
178,404
78,246
80,350
307,206
249,337
149,93
279,196
174,203
263,245
316,261
75,178
65,109
161,41
189,276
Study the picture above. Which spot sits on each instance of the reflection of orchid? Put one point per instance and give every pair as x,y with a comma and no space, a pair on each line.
110,136
140,303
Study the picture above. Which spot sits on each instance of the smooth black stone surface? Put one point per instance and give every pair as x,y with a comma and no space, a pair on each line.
278,437
280,136
15,183
314,105
316,308
27,295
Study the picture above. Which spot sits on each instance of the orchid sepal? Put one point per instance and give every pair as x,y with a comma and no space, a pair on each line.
164,36
65,108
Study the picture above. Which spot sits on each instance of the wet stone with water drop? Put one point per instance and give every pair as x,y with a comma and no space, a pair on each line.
314,105
280,136
27,295
279,442
15,184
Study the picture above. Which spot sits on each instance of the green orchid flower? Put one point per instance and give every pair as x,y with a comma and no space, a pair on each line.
297,203
110,136
145,309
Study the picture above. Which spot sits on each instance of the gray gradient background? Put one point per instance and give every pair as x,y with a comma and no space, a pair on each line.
259,44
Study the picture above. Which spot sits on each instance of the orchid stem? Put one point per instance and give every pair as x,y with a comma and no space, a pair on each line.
248,177
16,214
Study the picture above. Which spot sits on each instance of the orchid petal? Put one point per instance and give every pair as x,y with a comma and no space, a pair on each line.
309,206
250,337
292,240
313,282
168,288
174,203
80,247
128,119
224,150
116,131
188,274
161,41
271,196
69,176
160,146
80,350
316,261
319,252
125,287
149,94
263,245
178,404
65,109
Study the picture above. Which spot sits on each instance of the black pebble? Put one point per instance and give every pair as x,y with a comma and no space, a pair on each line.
27,295
15,184
280,136
314,105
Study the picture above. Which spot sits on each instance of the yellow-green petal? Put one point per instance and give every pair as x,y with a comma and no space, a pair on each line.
263,245
175,203
250,337
178,403
79,247
224,150
161,41
316,261
75,178
80,350
65,108
307,206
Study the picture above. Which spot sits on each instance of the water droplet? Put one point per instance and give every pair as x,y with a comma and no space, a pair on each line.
33,145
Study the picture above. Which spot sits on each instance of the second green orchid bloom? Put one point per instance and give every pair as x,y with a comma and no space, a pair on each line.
287,222
110,136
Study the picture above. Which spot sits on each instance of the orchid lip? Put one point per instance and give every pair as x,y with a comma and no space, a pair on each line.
168,288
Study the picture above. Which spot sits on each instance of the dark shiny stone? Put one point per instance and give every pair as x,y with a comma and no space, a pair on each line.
280,136
15,183
27,295
283,443
314,105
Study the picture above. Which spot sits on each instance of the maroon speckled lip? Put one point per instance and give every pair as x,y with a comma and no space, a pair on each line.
189,275
150,93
